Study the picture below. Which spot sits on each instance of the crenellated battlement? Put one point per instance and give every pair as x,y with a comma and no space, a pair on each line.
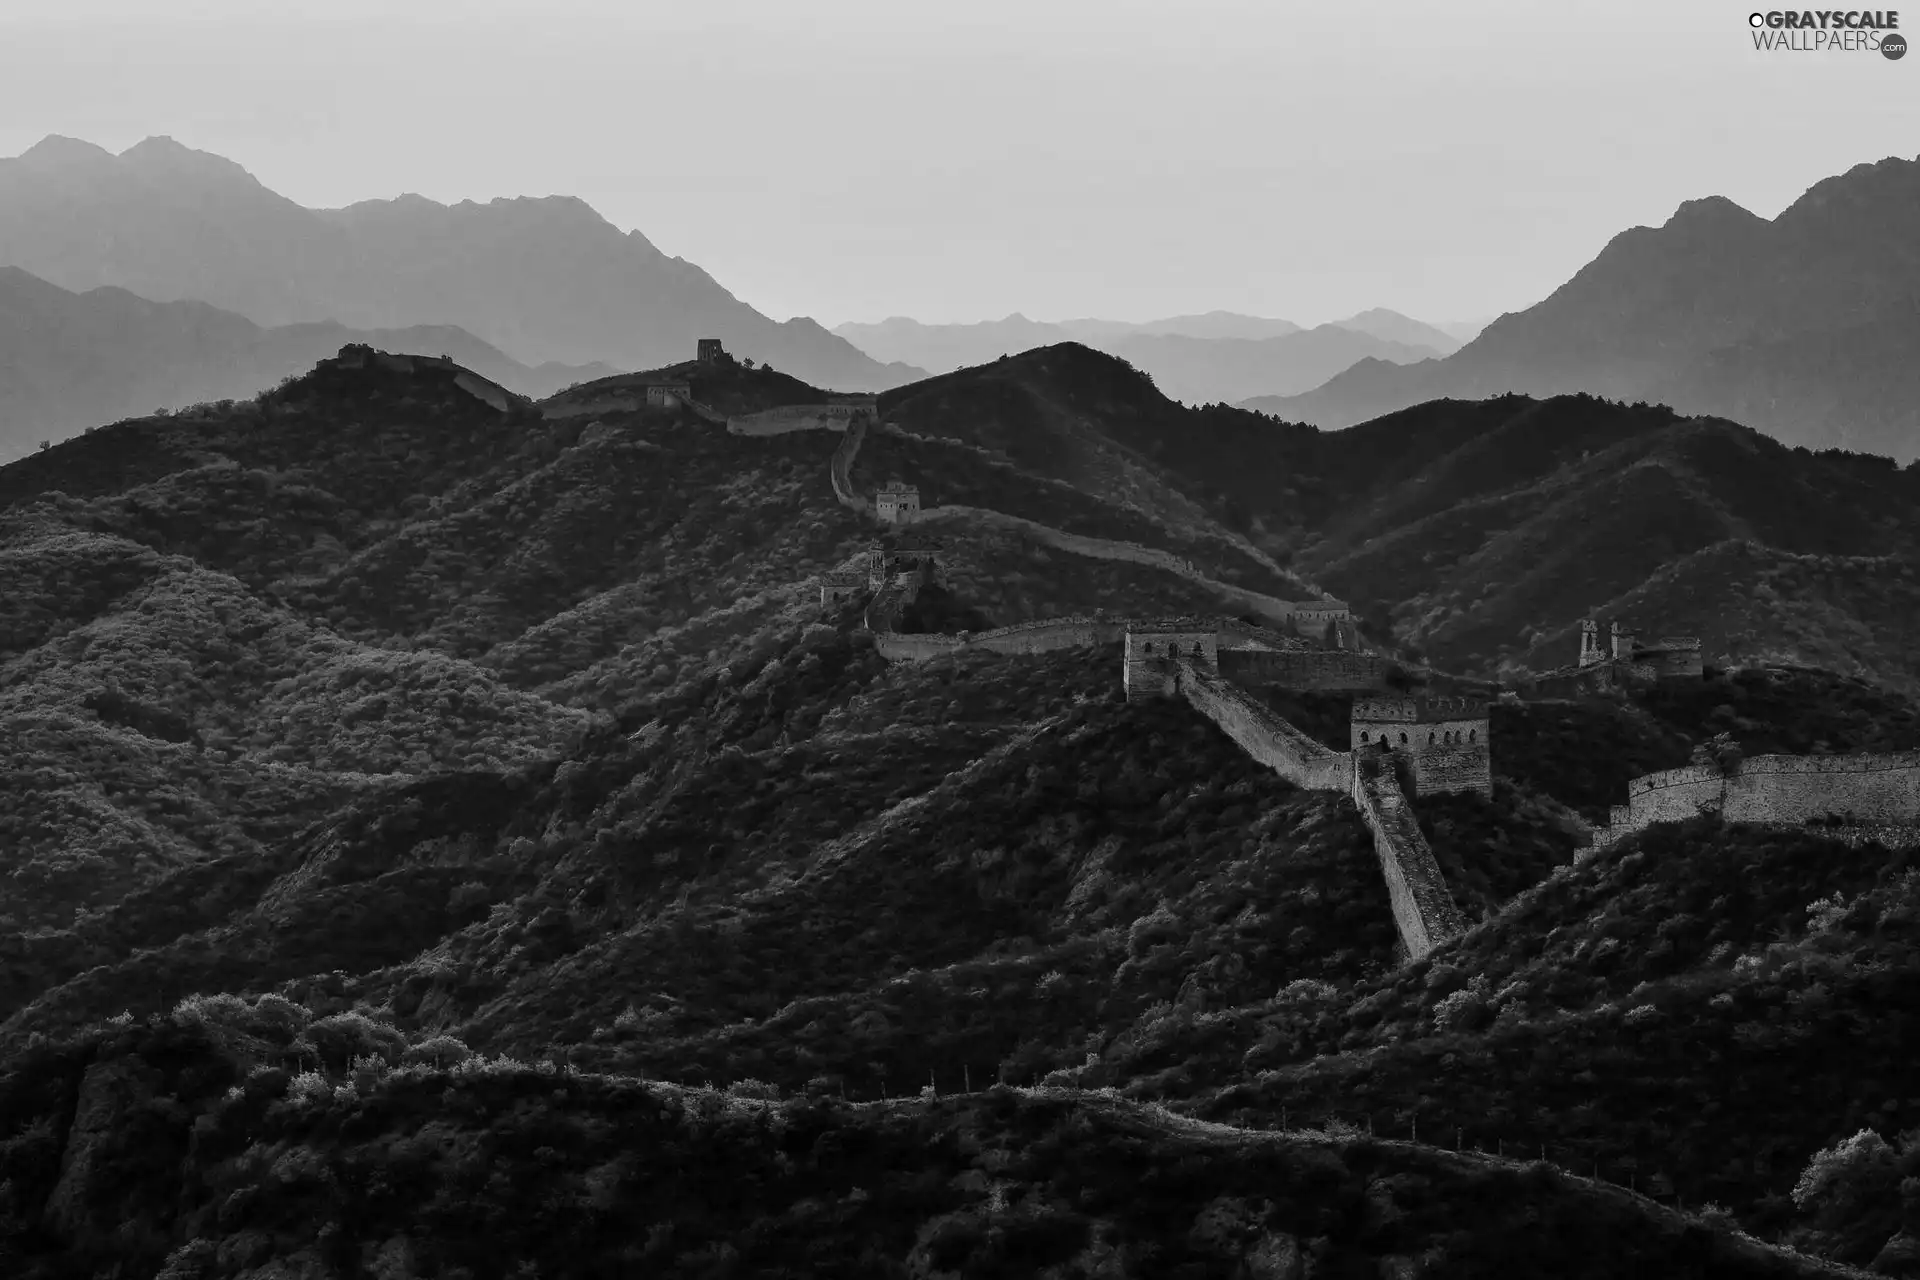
1427,710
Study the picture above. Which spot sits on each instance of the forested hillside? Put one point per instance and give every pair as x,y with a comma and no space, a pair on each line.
441,840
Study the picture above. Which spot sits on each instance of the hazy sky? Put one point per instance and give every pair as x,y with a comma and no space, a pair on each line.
853,159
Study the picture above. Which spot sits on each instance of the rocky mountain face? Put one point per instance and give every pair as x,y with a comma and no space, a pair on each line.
542,279
1792,326
446,838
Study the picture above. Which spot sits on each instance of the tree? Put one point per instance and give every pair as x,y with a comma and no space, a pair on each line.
1721,752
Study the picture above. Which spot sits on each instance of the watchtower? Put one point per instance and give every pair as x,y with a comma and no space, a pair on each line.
902,566
709,351
896,503
1590,651
1623,643
1155,650
1443,739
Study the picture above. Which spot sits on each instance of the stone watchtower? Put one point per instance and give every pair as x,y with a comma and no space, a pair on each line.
1154,651
1590,651
896,503
709,351
1624,643
1444,740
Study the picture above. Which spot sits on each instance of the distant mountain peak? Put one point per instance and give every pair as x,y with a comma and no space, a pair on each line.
162,156
58,149
1710,210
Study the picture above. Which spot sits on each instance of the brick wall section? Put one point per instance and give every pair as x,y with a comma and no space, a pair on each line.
1879,789
840,467
1265,737
1457,766
1304,669
1423,910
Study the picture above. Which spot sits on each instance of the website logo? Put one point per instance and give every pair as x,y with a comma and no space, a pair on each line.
1829,31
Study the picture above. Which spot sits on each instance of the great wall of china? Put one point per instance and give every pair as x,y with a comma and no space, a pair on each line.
1397,744
1877,793
1437,744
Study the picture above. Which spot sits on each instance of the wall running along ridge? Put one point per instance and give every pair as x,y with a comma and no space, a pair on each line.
840,468
1423,910
1273,609
798,417
1269,607
1266,737
1883,790
1239,542
1026,637
634,401
1338,669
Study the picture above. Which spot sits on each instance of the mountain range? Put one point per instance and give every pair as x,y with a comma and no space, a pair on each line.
1198,359
1802,326
443,835
71,361
1480,533
544,280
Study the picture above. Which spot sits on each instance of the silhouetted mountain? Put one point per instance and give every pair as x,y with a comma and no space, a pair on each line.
1391,326
1794,326
941,348
1211,324
1210,370
1200,359
545,280
73,361
1464,331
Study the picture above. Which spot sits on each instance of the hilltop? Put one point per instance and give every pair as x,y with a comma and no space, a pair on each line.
74,361
1199,359
1807,350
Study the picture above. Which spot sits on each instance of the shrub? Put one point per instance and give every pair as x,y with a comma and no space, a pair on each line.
1855,1166
442,1052
341,1038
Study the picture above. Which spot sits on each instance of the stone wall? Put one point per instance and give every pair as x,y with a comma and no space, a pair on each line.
1459,765
1675,659
1267,738
1779,789
491,394
1042,636
797,417
1239,598
1445,741
1423,910
840,467
1304,669
1872,788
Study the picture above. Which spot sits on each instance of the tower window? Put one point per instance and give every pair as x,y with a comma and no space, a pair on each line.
1403,739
